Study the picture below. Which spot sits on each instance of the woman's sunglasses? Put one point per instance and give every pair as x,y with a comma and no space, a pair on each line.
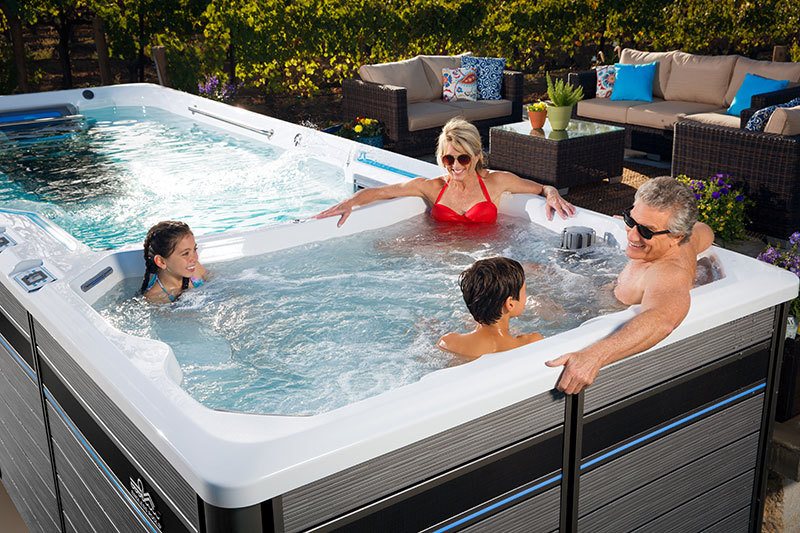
463,160
644,231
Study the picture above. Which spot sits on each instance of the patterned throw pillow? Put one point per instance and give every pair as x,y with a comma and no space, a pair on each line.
459,84
760,118
490,75
606,75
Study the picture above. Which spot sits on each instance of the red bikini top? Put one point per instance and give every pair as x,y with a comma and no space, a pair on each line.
482,212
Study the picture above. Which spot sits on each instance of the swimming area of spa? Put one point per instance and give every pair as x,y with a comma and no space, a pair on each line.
129,167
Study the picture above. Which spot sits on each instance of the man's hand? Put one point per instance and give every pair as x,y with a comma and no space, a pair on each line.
580,370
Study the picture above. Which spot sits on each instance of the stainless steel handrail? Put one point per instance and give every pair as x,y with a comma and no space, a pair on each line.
44,121
269,133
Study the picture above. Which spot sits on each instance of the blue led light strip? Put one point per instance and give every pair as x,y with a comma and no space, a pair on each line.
101,464
673,425
500,503
20,361
362,158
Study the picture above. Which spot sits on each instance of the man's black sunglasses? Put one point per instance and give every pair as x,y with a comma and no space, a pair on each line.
644,231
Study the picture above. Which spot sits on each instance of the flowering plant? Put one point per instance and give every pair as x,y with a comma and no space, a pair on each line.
214,89
788,259
537,106
720,205
361,127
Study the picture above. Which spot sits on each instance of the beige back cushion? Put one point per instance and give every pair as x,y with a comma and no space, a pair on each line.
630,56
784,121
433,66
702,79
409,74
767,69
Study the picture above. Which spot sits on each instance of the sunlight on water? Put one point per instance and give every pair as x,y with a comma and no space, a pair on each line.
108,184
313,328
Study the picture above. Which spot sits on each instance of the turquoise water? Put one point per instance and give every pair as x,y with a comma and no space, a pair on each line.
312,328
134,166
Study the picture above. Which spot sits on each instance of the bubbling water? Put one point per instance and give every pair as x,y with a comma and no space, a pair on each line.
312,328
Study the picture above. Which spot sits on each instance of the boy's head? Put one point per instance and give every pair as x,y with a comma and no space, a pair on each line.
489,285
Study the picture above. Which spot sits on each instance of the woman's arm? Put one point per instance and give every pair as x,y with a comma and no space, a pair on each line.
415,187
510,182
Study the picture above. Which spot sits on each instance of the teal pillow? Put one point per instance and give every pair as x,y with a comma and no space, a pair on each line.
634,82
753,84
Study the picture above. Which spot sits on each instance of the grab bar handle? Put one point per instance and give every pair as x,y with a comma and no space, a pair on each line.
269,133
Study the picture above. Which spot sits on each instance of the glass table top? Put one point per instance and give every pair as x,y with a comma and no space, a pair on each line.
576,128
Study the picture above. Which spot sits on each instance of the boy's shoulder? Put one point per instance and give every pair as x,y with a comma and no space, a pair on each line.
463,344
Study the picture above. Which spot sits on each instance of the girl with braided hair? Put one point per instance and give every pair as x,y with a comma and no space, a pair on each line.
171,263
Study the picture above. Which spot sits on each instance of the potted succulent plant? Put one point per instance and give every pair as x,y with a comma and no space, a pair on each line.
537,114
563,97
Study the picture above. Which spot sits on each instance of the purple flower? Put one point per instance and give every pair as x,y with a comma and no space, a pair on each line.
795,238
700,185
724,191
770,255
721,182
697,196
739,198
715,195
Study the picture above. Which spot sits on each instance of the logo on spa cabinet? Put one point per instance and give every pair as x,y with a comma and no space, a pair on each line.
145,501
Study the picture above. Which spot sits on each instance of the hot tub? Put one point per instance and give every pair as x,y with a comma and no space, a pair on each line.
97,434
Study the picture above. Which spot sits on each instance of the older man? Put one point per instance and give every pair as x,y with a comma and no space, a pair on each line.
664,239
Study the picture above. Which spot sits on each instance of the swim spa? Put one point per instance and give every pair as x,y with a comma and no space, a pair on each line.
97,435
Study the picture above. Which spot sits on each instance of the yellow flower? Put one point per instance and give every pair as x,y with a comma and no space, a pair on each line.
358,128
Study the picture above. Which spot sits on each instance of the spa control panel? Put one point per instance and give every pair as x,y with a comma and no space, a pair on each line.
34,278
5,240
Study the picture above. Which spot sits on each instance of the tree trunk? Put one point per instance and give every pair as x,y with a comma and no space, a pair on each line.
102,50
18,44
64,29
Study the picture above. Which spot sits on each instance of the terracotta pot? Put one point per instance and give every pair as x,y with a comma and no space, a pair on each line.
537,118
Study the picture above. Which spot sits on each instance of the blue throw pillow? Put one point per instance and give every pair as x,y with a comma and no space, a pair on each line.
634,82
490,75
753,84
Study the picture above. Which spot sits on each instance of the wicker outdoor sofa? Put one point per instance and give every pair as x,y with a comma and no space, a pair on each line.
417,83
767,165
686,86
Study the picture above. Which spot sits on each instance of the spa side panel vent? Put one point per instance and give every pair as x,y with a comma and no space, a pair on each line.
577,238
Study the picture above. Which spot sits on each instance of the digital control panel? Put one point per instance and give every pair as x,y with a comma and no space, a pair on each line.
34,279
6,242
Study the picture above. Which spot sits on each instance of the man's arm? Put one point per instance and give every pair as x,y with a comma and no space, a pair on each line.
664,306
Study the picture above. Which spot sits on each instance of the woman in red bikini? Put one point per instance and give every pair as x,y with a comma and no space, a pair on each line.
469,193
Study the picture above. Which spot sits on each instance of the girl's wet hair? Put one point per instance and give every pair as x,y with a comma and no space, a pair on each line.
161,240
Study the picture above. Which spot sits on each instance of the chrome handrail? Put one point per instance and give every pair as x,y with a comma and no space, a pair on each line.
48,120
269,133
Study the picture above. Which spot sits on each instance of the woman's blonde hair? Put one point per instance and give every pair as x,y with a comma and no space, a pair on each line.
464,136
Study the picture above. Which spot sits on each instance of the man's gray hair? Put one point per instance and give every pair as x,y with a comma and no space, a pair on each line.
668,194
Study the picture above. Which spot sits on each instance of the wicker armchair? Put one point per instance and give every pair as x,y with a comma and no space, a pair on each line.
767,165
388,104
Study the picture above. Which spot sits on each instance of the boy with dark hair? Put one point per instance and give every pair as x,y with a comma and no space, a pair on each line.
494,291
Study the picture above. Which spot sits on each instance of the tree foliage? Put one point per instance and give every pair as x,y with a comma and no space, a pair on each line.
303,46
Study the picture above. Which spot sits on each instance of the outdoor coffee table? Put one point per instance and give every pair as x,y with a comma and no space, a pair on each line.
586,152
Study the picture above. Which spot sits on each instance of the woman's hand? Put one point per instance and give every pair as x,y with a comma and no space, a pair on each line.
555,203
343,209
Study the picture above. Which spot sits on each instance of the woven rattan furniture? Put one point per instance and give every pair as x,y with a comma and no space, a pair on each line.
585,152
388,104
767,165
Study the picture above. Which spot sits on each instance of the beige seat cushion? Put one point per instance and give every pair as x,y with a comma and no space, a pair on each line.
409,74
767,69
784,121
425,115
664,115
719,117
630,56
433,66
482,109
607,109
702,79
